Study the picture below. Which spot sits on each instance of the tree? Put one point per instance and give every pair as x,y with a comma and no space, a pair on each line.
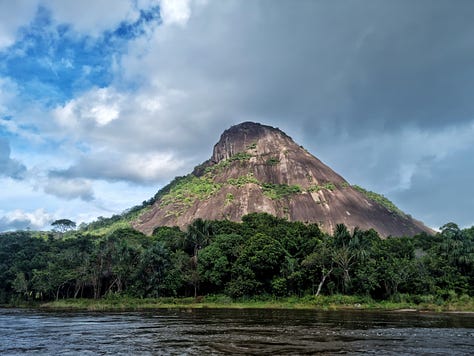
150,276
259,262
63,225
320,263
349,250
216,260
198,236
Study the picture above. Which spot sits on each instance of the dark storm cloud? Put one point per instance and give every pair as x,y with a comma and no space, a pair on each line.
373,65
444,196
329,68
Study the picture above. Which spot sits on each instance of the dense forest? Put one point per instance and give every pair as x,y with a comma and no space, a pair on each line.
263,255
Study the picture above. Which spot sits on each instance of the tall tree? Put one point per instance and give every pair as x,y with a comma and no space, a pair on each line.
198,236
63,225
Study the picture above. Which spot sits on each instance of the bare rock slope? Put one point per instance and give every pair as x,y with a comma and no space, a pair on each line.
258,168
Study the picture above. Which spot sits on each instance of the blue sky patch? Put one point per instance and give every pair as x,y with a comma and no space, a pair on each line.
51,63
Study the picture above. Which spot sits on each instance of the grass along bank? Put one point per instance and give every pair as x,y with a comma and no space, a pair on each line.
334,302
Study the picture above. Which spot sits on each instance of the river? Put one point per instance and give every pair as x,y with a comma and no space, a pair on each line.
233,331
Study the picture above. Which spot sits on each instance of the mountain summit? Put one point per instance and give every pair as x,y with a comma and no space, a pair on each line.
258,168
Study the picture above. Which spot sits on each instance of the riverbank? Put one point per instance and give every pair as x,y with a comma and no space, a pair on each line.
335,302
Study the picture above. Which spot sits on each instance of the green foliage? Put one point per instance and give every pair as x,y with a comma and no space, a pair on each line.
316,188
278,191
272,161
252,146
171,237
216,168
242,180
229,198
190,189
240,156
116,302
261,256
104,225
63,225
220,166
279,286
378,198
216,260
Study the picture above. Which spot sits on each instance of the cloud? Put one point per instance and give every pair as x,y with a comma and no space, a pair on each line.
8,93
336,89
21,220
352,77
98,107
9,167
129,136
175,11
437,191
145,168
380,92
15,14
93,17
69,47
388,161
69,188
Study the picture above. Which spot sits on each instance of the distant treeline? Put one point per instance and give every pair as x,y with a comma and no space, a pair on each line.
263,255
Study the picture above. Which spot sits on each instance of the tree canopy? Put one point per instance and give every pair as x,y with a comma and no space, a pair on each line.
63,225
262,255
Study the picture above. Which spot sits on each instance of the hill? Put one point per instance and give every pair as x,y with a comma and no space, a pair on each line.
258,168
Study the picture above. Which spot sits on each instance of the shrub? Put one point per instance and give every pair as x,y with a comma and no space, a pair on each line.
273,161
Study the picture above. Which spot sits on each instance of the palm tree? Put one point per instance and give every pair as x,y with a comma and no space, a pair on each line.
456,246
348,250
198,236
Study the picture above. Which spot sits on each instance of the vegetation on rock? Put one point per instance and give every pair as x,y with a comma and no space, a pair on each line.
242,180
272,161
380,199
316,187
189,189
278,191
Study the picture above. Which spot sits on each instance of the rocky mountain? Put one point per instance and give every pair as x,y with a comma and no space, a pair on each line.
258,168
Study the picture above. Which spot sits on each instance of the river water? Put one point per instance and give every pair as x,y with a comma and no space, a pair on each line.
232,331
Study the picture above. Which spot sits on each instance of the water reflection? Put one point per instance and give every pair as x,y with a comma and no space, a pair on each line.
259,332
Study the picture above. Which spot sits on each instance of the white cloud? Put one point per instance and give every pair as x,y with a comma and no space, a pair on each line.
175,11
19,219
139,136
148,168
99,106
69,189
13,15
151,167
93,17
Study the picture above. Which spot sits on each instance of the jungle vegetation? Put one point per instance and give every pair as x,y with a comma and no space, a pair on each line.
262,255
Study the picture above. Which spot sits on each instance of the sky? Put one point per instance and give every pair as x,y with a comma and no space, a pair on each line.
103,102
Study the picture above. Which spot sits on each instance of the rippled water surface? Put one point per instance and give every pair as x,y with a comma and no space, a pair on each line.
259,332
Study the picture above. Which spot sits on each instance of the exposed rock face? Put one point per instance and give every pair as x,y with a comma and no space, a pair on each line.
257,168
